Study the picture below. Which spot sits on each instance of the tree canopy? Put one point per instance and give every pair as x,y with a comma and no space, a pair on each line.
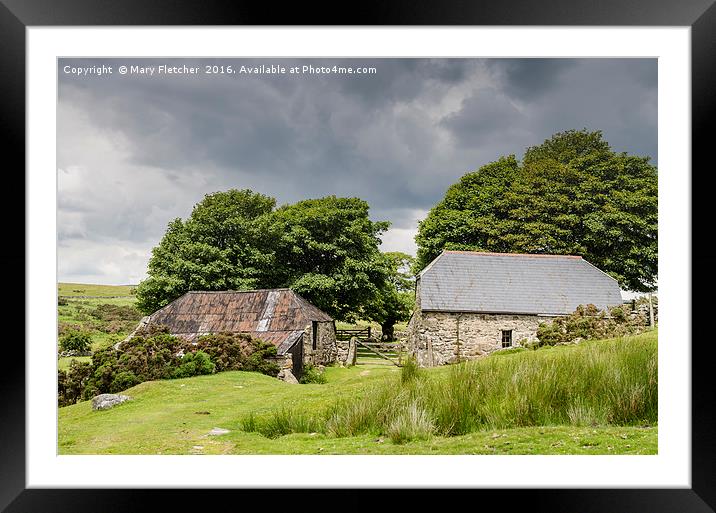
570,195
396,299
325,249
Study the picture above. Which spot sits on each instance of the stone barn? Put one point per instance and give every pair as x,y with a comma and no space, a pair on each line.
469,303
301,332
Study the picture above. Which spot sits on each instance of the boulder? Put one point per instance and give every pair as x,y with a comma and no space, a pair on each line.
106,401
287,376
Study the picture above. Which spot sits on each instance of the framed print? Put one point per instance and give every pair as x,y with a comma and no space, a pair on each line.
146,128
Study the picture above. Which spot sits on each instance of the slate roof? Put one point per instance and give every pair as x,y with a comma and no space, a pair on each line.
277,316
469,281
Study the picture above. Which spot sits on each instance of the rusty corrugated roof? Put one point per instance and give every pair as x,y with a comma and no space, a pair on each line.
277,316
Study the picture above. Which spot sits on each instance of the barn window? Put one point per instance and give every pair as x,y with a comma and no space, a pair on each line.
315,333
506,338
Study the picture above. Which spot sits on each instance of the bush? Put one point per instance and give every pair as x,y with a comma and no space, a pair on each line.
63,328
239,351
75,341
312,375
72,382
194,364
587,323
62,301
108,312
153,353
114,327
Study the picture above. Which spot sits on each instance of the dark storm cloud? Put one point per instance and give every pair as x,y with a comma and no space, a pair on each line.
136,151
528,79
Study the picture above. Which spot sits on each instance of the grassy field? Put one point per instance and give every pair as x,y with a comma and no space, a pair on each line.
84,289
176,416
76,313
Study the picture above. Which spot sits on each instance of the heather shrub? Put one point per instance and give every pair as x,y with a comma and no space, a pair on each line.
153,353
238,351
587,322
75,341
72,382
109,312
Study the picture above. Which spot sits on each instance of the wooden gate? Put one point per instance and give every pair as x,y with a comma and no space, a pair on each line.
378,353
360,334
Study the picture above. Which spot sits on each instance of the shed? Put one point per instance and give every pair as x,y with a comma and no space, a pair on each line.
301,332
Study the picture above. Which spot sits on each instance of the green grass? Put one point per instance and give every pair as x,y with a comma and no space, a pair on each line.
597,383
77,313
169,417
84,289
64,363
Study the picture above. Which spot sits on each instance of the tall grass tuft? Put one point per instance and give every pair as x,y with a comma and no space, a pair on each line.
282,422
413,423
410,371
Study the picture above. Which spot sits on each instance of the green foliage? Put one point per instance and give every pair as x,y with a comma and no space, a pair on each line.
75,341
220,247
396,298
239,351
312,375
328,252
587,323
72,382
570,195
325,249
194,364
61,301
154,354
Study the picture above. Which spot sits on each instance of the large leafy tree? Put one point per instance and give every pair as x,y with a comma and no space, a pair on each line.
326,249
396,299
221,246
328,252
570,195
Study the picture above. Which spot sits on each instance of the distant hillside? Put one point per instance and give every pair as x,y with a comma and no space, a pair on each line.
85,289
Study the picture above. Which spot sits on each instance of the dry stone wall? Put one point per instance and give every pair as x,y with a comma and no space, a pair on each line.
326,350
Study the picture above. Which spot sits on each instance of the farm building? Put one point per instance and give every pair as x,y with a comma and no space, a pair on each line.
301,332
468,303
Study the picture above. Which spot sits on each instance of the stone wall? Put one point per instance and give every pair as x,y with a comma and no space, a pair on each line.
342,347
438,338
326,350
284,361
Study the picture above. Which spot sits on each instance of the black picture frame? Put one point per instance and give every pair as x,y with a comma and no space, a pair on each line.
700,15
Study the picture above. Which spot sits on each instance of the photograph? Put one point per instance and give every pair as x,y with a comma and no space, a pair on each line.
357,256
433,248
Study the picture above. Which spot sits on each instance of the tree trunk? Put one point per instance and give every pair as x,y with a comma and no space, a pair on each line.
388,330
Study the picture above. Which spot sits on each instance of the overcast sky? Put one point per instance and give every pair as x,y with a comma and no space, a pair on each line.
136,151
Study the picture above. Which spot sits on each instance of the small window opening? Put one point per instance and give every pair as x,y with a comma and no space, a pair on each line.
315,333
506,338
